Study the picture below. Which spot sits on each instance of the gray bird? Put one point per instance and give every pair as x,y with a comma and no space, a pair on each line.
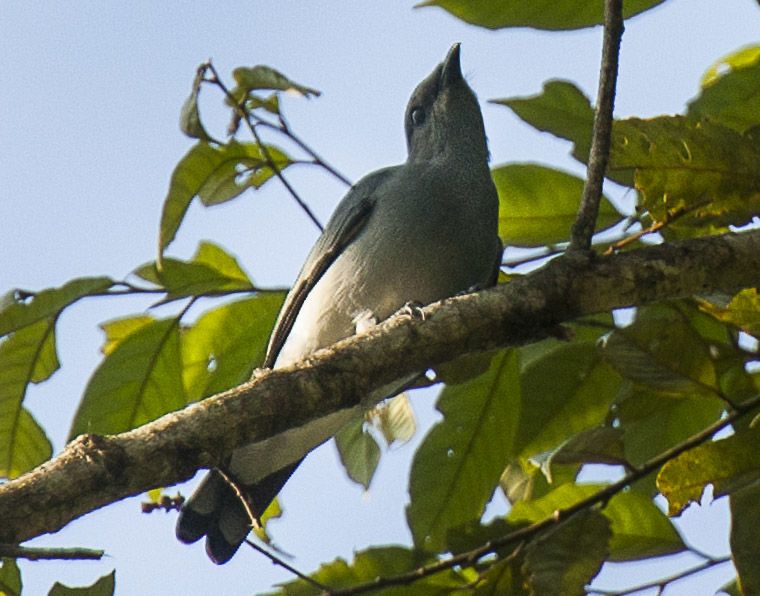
416,232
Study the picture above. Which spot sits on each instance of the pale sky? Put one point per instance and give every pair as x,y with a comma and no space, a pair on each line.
88,120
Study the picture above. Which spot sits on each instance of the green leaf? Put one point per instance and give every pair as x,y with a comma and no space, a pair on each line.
140,380
211,271
189,117
216,174
395,419
373,563
103,587
598,445
731,588
728,464
743,311
26,356
731,91
639,529
501,579
701,168
745,519
538,205
458,465
359,452
265,77
10,578
117,330
221,349
563,560
553,15
662,350
20,309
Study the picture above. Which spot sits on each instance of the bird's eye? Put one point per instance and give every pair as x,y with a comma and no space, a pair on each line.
418,116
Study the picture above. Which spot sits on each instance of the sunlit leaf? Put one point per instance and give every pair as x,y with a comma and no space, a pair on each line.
19,310
539,14
458,465
211,271
395,419
265,77
538,205
215,174
563,560
221,349
731,91
105,586
745,519
10,578
26,356
743,311
359,452
728,464
139,380
117,330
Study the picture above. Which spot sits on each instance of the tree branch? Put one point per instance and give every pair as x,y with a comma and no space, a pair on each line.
583,228
13,551
94,471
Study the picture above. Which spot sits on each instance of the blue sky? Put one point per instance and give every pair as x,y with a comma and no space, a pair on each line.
88,120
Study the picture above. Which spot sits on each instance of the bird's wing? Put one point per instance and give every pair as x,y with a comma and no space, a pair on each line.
347,222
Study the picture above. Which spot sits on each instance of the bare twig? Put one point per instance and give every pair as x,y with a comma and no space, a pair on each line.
583,228
243,113
13,551
528,532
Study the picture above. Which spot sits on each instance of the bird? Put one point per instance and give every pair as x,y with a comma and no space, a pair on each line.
416,232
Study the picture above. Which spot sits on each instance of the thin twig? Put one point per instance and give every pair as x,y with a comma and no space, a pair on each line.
525,533
583,228
13,551
216,79
663,582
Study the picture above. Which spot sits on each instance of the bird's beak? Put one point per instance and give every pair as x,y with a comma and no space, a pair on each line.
451,71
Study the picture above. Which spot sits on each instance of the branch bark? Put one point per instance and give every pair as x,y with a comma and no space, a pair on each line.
94,471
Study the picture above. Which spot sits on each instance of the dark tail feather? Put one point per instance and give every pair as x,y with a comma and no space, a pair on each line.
214,510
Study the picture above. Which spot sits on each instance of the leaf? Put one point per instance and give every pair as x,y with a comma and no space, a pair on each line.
105,586
395,419
745,518
359,452
662,350
265,77
216,174
538,205
20,309
27,356
599,445
728,464
458,465
743,311
705,169
731,91
221,349
189,117
117,330
10,578
140,380
565,559
211,271
540,14
373,563
639,529
503,578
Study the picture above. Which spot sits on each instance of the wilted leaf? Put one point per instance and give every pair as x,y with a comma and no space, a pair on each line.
731,91
458,465
27,356
103,587
728,464
563,560
10,578
745,519
140,380
221,349
17,312
539,14
189,117
538,205
211,271
359,452
215,174
395,419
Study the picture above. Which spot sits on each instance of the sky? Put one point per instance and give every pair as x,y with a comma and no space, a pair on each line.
89,136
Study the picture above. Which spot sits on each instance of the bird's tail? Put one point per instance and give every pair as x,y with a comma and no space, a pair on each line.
214,510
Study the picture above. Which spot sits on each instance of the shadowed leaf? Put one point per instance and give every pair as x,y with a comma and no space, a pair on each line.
359,452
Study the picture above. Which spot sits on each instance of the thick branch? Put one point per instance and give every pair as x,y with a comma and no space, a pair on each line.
599,155
94,471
